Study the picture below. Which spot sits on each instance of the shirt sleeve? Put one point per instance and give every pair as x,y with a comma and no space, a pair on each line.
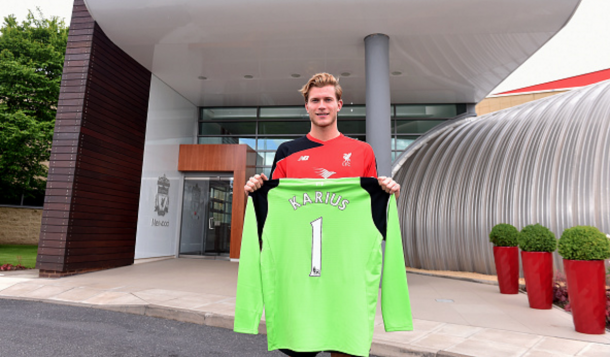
249,299
370,166
395,302
278,170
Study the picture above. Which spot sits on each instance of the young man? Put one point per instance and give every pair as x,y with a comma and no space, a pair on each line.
324,152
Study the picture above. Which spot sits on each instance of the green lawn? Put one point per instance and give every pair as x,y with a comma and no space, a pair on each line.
19,254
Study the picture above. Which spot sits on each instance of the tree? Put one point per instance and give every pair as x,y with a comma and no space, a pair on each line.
31,65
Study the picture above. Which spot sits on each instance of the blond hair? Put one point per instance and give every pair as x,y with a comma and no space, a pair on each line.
320,80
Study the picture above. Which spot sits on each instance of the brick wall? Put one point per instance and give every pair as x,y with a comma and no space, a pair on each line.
20,225
493,104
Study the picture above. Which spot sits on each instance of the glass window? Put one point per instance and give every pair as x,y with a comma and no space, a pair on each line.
415,126
259,158
352,126
401,142
265,158
265,170
272,143
228,113
266,128
251,142
358,137
269,156
226,140
209,140
460,109
416,111
283,127
227,128
352,111
426,111
284,113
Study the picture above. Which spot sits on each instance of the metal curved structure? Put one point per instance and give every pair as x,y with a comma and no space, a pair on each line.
546,162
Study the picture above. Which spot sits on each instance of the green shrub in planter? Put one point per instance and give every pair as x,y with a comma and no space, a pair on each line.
504,235
584,243
537,238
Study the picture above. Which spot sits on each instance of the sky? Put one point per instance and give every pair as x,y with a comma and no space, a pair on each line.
582,46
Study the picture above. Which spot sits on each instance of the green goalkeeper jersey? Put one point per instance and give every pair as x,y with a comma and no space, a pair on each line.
311,257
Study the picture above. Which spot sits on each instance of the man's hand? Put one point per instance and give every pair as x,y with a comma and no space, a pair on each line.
388,185
254,183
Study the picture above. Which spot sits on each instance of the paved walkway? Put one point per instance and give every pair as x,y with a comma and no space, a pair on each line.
452,317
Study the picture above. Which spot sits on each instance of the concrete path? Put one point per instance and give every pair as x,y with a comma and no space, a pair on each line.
452,317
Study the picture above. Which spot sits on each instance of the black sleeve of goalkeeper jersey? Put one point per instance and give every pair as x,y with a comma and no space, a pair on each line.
261,205
379,203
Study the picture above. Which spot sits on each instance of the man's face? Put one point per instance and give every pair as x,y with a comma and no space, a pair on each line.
323,106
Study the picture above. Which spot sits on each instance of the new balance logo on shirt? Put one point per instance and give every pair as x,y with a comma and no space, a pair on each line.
303,158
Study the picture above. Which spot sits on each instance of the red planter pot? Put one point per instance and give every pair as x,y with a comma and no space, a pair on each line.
587,294
538,272
507,268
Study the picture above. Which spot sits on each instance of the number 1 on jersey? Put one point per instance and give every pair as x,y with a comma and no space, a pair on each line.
316,247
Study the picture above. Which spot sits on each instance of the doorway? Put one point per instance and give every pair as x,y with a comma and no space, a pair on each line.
206,217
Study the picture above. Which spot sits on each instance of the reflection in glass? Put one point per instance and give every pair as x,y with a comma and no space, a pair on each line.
265,158
227,128
226,140
265,170
272,143
269,156
352,111
209,140
415,126
282,124
284,127
251,142
206,217
357,137
348,127
401,142
194,202
284,113
228,113
426,111
460,109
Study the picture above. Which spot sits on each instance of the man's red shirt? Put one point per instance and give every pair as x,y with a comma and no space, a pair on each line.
308,157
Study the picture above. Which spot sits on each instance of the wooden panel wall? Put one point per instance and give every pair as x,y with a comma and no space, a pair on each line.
91,204
239,159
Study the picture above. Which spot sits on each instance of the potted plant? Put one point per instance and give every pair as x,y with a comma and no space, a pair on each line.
537,244
506,256
584,249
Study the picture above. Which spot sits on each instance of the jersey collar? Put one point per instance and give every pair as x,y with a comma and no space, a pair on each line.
322,141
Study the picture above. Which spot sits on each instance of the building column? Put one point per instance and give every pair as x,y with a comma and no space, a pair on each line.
378,105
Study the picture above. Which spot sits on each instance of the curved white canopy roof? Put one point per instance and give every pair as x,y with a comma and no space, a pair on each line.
447,51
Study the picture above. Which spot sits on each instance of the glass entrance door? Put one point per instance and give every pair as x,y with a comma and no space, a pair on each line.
206,217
